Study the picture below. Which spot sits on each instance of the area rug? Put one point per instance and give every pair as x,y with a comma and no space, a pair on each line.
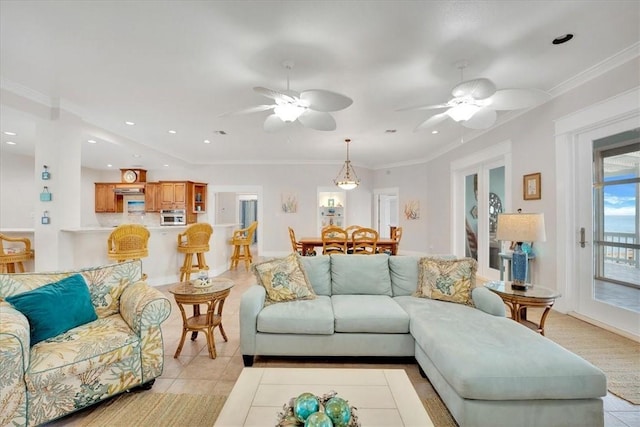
147,409
618,357
438,413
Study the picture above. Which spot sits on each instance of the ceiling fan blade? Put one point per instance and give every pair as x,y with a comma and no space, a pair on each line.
273,123
424,107
516,99
431,121
273,94
249,110
317,120
484,118
325,101
477,89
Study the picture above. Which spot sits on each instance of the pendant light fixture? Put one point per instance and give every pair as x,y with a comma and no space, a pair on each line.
347,178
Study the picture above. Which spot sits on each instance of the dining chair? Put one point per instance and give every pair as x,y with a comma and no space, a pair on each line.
295,245
350,229
334,241
364,241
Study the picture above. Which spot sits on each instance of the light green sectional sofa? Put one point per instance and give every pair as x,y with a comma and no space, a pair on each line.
489,370
121,349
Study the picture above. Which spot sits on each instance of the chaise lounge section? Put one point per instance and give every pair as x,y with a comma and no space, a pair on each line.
488,369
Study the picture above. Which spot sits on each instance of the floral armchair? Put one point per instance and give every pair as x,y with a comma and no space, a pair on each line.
119,350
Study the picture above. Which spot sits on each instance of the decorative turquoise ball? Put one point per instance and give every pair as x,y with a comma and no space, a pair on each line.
318,419
338,410
305,405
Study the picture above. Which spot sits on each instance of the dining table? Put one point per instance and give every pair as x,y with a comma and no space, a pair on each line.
384,244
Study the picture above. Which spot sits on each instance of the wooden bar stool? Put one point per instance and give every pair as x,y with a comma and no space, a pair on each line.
194,241
12,257
241,242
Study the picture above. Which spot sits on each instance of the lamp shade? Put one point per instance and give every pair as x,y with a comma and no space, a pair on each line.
521,227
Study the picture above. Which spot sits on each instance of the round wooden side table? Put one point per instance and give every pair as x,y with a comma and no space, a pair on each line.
518,301
213,296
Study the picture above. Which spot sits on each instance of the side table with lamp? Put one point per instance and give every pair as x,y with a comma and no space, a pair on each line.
520,227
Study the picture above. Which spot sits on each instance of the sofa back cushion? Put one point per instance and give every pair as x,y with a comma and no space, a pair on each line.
404,274
360,275
106,283
318,269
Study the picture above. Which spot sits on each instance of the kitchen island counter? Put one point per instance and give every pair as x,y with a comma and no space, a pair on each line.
87,246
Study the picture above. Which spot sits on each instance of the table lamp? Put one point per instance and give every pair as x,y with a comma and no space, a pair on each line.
520,227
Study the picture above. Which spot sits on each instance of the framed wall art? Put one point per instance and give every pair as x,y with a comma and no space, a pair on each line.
532,186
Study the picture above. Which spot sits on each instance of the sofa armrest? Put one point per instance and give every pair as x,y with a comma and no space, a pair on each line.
144,309
250,306
14,360
488,302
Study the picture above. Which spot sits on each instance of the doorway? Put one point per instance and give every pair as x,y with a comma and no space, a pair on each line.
248,211
480,194
386,210
597,170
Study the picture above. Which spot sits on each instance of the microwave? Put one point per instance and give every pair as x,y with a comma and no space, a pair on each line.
173,217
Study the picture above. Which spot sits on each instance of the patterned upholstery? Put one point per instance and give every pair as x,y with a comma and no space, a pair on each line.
120,350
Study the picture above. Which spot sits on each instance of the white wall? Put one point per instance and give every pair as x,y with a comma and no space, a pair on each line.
17,187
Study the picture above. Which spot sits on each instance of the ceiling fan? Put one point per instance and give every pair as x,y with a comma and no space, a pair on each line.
310,107
475,102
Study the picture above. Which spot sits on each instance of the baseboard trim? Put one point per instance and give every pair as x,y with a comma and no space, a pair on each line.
604,326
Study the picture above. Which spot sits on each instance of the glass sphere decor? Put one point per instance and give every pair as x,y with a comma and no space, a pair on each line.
339,411
309,410
318,419
305,405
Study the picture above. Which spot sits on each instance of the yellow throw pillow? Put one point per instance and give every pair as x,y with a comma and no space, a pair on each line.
284,279
447,279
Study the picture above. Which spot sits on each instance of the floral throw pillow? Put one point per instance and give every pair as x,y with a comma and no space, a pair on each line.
447,279
284,279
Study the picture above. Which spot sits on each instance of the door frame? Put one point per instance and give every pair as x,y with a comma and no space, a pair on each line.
480,163
247,189
570,131
389,191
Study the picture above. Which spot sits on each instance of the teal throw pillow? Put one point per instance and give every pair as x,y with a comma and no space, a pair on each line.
55,308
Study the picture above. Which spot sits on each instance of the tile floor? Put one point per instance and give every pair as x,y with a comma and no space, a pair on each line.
194,372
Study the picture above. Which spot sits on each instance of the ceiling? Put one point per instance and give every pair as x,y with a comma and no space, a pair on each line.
179,65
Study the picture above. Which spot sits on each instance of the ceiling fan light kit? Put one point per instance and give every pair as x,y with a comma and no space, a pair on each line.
310,108
347,178
475,102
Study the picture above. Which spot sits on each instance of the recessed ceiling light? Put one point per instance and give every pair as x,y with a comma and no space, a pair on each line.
9,133
129,123
109,165
173,132
562,39
137,156
166,166
206,141
10,143
434,132
91,141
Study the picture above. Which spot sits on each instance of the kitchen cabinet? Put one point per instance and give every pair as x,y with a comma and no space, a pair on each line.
152,197
105,198
198,196
173,195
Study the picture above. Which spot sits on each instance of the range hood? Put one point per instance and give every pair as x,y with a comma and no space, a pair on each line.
130,189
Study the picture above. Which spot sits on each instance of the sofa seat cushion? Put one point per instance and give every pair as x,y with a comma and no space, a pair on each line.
102,343
487,357
370,314
313,317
